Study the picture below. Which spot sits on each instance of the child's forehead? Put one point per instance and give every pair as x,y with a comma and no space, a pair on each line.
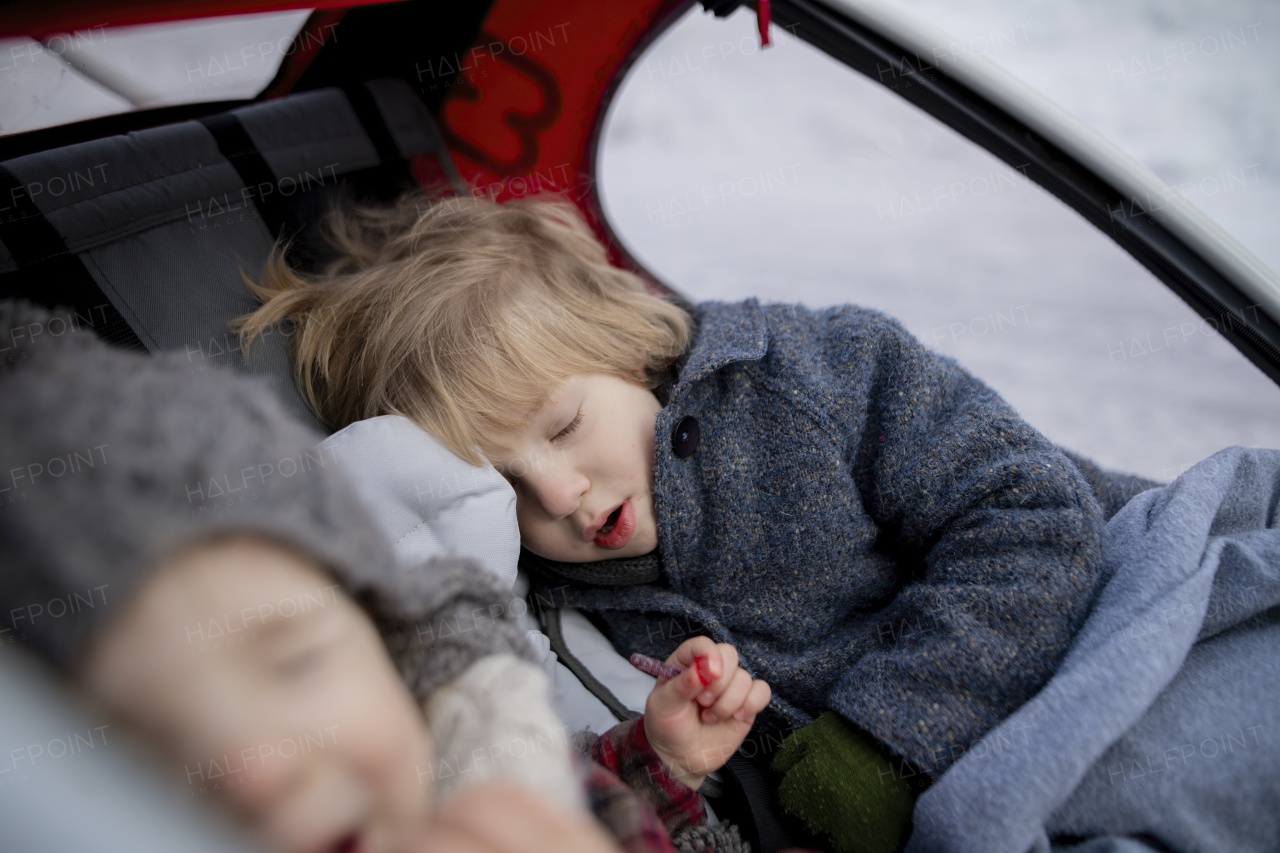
520,413
498,442
241,573
539,406
212,606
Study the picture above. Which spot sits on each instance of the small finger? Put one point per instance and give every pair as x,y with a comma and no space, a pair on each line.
700,654
728,656
757,699
730,701
670,696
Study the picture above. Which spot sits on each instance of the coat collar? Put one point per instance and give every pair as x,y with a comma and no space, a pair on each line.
726,332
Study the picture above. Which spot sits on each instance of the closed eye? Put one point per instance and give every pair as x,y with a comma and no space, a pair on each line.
301,645
300,662
571,428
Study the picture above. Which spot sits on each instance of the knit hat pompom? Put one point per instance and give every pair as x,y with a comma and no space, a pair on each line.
111,460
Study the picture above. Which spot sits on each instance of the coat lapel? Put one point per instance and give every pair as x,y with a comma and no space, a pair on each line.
726,333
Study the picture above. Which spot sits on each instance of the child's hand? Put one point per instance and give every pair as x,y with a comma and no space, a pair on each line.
696,721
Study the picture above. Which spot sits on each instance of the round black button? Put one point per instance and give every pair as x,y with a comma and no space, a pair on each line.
685,438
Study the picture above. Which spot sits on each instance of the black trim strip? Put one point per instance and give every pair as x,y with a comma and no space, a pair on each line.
1205,288
236,145
49,273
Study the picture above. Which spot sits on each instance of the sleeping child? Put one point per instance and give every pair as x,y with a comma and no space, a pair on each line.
876,532
234,632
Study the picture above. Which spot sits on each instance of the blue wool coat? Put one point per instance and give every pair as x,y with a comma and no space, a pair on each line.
875,530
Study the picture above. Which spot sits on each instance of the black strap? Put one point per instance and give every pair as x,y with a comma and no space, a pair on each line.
555,633
236,145
375,127
50,274
374,123
771,835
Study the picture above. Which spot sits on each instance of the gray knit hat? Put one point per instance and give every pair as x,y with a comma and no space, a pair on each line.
110,460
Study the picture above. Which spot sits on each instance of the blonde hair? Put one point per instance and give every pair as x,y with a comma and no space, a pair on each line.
461,314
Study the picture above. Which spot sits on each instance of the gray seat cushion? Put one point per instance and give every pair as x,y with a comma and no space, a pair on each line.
160,223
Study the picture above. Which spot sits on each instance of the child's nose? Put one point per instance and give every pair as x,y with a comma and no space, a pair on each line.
260,775
560,492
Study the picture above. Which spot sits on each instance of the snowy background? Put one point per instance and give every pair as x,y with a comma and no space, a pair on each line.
731,171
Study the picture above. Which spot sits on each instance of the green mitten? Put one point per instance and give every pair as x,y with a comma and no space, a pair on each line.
842,785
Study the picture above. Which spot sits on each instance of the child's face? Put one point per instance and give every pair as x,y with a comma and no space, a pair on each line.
582,469
246,663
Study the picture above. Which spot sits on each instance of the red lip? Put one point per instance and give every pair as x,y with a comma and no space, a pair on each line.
349,844
622,531
591,530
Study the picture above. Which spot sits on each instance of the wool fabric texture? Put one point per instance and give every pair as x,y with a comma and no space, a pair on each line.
721,838
875,530
841,786
494,721
644,568
114,460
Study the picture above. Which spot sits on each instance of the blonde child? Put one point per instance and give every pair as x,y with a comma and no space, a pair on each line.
228,633
876,531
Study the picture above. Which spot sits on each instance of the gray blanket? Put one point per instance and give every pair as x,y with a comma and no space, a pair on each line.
1161,730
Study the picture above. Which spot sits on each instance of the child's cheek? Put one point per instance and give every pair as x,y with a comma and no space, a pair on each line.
428,758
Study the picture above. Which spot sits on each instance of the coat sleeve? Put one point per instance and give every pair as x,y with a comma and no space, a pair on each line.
996,531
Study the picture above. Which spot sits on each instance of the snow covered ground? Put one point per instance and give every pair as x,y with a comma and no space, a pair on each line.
731,171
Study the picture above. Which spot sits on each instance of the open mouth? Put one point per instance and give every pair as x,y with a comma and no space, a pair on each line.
618,528
348,844
610,522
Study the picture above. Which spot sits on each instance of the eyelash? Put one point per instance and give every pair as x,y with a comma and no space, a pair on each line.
572,427
301,662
